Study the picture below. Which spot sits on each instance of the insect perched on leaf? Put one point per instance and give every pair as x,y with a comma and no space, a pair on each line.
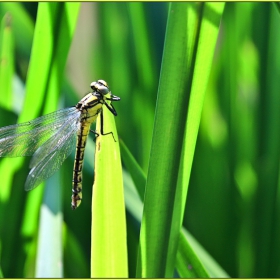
51,138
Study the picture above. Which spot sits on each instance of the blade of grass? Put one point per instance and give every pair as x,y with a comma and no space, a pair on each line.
266,241
6,79
138,175
75,254
7,61
49,261
23,26
143,54
210,18
164,204
144,85
36,87
277,5
212,267
37,83
108,236
43,78
40,65
159,197
188,256
187,262
9,231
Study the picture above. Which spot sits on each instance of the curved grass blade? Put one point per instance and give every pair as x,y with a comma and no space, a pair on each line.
108,236
212,267
134,169
187,262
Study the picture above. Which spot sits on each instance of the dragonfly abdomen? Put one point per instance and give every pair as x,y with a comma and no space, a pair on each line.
89,106
82,135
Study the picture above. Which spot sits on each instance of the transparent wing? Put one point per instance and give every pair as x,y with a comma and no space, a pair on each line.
50,156
57,140
25,138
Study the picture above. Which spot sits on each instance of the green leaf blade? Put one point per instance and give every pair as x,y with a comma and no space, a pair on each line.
108,248
165,198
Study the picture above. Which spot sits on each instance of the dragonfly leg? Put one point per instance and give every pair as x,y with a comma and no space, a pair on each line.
96,134
102,132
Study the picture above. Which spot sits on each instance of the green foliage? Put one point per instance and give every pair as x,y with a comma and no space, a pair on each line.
197,123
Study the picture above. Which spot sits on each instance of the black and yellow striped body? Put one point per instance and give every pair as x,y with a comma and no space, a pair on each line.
90,106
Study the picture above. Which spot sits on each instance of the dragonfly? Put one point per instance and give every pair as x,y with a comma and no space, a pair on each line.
51,138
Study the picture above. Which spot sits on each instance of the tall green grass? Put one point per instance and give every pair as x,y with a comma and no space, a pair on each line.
197,124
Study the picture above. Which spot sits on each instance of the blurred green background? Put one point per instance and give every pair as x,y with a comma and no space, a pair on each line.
232,207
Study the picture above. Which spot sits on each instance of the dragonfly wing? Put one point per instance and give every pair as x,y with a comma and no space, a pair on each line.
25,138
57,140
45,164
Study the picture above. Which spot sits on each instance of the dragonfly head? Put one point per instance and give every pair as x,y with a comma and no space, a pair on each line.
102,88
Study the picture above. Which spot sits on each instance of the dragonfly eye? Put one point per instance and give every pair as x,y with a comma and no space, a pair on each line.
103,90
